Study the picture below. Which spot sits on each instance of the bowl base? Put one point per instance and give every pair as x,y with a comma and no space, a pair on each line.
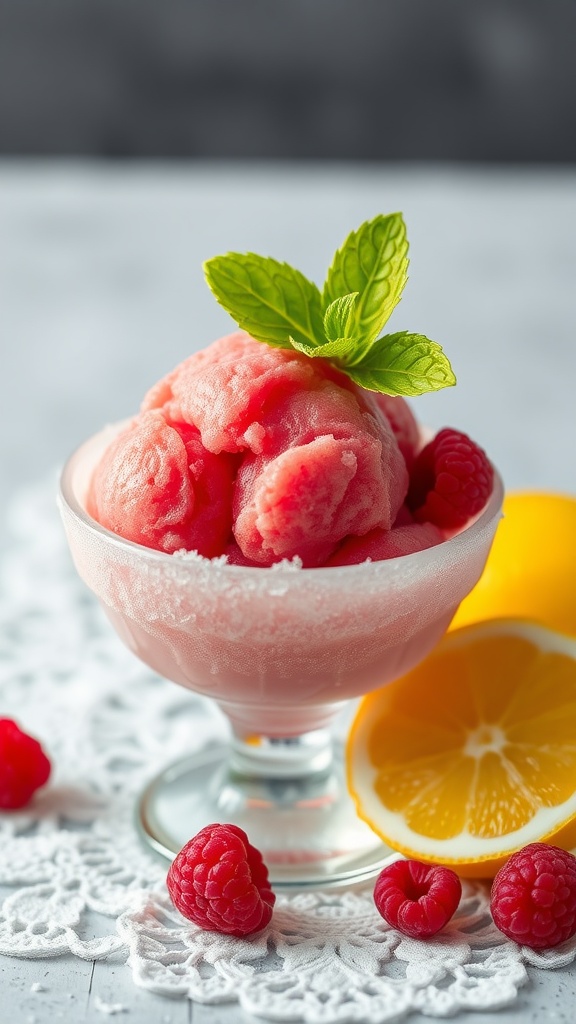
306,827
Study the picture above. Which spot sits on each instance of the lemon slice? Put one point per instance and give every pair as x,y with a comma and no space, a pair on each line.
531,568
472,755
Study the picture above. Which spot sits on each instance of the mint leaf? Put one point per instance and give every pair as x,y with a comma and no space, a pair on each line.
339,317
403,364
271,301
372,262
339,349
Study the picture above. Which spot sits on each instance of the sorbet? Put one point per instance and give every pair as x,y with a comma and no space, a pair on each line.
263,454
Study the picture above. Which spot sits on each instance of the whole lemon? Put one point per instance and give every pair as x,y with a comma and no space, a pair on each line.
531,568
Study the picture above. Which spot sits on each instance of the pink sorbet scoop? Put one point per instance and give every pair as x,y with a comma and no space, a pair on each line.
259,453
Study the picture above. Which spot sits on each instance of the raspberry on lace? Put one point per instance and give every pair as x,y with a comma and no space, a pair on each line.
24,766
220,882
417,899
533,898
450,481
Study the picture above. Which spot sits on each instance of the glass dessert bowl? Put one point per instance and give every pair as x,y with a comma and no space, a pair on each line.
280,650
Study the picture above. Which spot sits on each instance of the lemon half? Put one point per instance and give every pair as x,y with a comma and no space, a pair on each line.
472,755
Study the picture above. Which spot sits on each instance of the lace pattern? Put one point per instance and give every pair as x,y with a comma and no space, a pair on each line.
107,722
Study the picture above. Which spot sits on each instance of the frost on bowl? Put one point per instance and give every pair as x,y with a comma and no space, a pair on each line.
277,648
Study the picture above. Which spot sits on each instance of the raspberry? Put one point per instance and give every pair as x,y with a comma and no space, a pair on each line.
533,899
450,481
417,899
219,881
24,766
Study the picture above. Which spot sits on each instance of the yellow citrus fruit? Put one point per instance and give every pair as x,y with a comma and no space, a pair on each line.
472,755
531,568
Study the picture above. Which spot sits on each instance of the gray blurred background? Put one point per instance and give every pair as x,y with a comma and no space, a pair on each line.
483,80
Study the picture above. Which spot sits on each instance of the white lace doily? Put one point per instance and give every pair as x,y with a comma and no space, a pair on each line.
107,723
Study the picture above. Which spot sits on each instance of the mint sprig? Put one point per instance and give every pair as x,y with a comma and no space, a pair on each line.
278,305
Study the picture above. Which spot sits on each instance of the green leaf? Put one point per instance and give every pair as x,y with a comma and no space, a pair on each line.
403,364
372,262
277,305
339,349
270,300
339,317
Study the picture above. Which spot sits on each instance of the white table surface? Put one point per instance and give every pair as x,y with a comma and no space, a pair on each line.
101,292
